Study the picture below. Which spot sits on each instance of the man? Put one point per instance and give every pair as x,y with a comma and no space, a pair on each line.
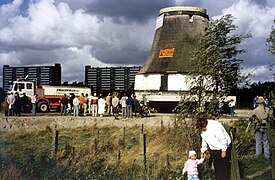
108,103
260,115
115,102
231,106
129,107
34,100
136,105
17,104
86,103
94,103
123,105
81,102
218,140
24,101
10,101
76,104
64,103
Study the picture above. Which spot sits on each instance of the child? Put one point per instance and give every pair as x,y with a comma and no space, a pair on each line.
191,166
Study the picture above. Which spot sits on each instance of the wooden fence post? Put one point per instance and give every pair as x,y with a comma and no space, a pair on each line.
168,161
124,134
143,146
96,141
271,135
118,155
273,162
144,150
55,143
73,153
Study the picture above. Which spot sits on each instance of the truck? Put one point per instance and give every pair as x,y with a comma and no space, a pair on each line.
48,97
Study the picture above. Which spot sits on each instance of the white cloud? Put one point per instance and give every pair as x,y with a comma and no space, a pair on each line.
47,24
254,19
72,33
9,10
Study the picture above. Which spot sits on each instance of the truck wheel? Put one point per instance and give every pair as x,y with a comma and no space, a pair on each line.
43,106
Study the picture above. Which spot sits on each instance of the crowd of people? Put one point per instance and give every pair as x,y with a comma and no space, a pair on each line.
94,105
14,105
83,105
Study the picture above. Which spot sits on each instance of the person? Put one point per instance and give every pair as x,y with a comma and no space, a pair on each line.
144,100
260,116
115,102
86,103
123,105
10,101
216,138
81,102
76,103
129,107
108,103
33,101
17,105
24,101
72,96
255,102
136,105
94,102
64,103
231,105
6,105
101,106
191,166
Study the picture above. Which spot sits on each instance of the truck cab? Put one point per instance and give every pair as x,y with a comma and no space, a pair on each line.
24,87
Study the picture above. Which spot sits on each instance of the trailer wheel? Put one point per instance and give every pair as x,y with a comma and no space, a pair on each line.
43,106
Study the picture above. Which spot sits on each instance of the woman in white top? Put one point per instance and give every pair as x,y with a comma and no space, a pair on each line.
101,106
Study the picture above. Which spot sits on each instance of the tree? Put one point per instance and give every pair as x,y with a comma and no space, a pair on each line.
215,66
271,47
271,40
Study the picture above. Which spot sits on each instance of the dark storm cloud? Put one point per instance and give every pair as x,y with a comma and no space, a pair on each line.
130,10
260,2
129,55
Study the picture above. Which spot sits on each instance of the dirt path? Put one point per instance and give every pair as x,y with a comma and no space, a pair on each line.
28,123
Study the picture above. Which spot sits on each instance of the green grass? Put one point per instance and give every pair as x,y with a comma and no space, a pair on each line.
105,153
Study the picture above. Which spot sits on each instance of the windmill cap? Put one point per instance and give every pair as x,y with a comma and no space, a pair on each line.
182,8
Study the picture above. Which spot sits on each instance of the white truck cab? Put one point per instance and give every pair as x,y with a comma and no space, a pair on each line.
22,86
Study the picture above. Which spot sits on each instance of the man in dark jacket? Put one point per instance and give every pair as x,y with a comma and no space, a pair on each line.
64,103
129,107
24,102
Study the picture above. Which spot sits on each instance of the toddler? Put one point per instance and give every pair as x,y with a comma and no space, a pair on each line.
191,166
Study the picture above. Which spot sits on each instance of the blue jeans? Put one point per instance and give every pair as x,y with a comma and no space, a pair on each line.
262,140
194,177
124,111
129,111
33,109
64,110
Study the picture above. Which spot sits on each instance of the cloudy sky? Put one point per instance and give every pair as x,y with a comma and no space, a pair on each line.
76,33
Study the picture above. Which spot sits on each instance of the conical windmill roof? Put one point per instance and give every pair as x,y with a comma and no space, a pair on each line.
176,35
